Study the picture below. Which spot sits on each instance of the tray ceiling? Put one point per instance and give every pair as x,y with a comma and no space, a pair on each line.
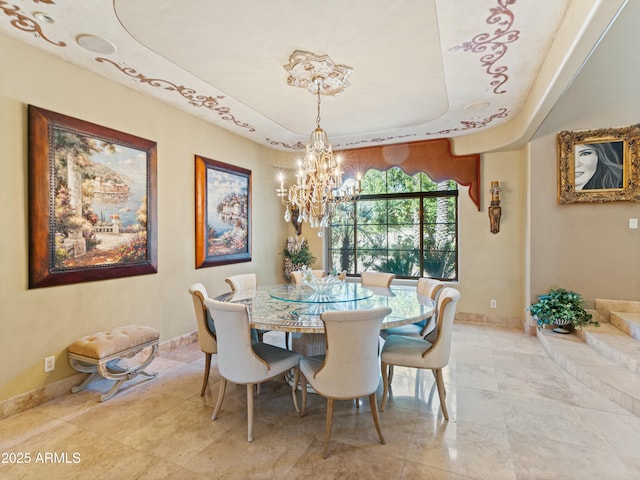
422,69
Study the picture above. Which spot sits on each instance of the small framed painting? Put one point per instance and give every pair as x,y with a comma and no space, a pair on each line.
92,201
223,213
599,165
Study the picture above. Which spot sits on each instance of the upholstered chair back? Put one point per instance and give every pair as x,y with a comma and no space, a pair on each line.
377,279
350,368
429,287
206,332
317,273
237,362
244,281
438,355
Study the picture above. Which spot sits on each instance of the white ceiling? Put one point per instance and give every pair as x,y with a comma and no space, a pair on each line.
422,69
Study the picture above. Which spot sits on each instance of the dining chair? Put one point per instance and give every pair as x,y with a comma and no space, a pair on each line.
376,279
206,330
345,372
416,352
243,281
248,281
428,288
296,277
242,362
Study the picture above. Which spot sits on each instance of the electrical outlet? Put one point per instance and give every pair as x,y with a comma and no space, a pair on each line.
633,223
493,304
49,364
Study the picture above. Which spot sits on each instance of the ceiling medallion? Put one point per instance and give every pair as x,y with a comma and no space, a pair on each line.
307,69
318,190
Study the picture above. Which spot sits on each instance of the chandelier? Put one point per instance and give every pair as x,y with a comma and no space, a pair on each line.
318,189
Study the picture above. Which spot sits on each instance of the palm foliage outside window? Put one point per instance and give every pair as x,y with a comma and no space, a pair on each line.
400,224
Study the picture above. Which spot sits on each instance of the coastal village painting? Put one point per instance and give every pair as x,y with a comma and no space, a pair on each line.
92,201
227,213
99,201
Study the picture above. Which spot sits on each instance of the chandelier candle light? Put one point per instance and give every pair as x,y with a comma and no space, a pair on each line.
318,188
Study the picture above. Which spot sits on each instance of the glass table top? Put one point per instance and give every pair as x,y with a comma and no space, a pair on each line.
292,308
336,293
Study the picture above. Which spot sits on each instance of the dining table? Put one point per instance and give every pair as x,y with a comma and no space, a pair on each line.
297,308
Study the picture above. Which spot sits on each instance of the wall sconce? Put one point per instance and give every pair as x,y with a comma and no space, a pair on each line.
495,211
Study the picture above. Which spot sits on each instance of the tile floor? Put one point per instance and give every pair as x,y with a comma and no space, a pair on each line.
513,415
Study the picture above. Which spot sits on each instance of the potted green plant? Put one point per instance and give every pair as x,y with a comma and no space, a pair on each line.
296,255
562,309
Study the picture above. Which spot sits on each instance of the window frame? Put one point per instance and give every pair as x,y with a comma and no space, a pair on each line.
420,195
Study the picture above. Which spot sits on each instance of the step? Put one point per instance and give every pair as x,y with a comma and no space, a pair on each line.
628,322
603,376
614,344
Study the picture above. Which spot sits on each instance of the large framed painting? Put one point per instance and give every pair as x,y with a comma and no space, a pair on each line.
223,213
600,165
92,201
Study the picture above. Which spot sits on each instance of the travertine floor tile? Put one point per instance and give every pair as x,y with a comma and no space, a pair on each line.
513,415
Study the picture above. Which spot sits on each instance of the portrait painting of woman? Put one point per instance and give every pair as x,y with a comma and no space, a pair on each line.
598,165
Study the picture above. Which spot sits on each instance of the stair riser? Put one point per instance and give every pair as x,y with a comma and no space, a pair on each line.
630,329
609,352
624,399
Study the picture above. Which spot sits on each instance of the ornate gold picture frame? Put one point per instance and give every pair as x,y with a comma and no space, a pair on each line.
596,166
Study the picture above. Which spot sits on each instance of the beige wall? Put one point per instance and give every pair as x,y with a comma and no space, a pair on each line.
492,265
588,247
42,322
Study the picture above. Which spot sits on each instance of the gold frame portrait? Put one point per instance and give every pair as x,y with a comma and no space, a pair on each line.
614,174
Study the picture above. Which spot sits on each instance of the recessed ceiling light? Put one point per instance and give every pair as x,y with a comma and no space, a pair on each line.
96,44
43,17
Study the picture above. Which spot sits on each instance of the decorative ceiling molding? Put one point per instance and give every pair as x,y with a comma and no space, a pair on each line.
470,124
25,23
495,43
208,102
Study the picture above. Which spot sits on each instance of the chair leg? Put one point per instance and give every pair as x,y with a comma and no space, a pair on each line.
444,390
286,340
303,384
294,388
207,367
223,387
376,419
250,412
440,384
327,429
385,384
390,374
